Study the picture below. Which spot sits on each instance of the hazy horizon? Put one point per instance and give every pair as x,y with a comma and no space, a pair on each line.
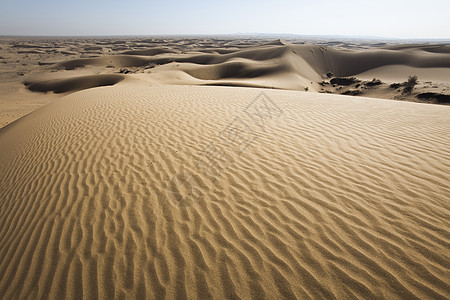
239,35
384,19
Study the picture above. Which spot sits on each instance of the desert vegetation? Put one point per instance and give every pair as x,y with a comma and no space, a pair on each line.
409,85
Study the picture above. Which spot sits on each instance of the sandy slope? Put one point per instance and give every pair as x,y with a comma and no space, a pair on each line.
56,64
110,192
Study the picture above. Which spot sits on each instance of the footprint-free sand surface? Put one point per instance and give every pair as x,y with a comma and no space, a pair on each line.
138,191
200,168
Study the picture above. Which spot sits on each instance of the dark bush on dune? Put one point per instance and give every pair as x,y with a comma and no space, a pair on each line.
409,85
352,93
344,80
395,85
374,82
440,98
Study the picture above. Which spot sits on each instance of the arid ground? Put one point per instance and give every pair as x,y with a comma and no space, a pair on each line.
224,168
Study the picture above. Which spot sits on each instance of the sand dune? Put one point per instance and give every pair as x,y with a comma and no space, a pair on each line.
235,70
146,178
150,52
429,48
301,66
120,192
320,59
73,84
295,64
116,60
396,73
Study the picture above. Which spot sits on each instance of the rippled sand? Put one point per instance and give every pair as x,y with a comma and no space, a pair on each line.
136,191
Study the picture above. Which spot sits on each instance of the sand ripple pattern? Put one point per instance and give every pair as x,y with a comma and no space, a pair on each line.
338,198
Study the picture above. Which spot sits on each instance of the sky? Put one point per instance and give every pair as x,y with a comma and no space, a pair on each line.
411,19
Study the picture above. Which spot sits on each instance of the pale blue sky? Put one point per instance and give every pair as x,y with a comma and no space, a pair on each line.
382,18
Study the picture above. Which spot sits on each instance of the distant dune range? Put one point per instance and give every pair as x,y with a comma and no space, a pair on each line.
277,64
146,177
307,62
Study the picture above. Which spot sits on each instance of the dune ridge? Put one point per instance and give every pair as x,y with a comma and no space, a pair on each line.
73,83
282,65
335,197
319,58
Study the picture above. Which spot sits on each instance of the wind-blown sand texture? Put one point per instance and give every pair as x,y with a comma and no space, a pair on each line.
336,197
145,178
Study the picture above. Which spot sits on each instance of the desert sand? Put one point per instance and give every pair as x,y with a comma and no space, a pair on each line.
295,64
201,168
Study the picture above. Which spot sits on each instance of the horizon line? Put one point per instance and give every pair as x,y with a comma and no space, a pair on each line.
274,35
